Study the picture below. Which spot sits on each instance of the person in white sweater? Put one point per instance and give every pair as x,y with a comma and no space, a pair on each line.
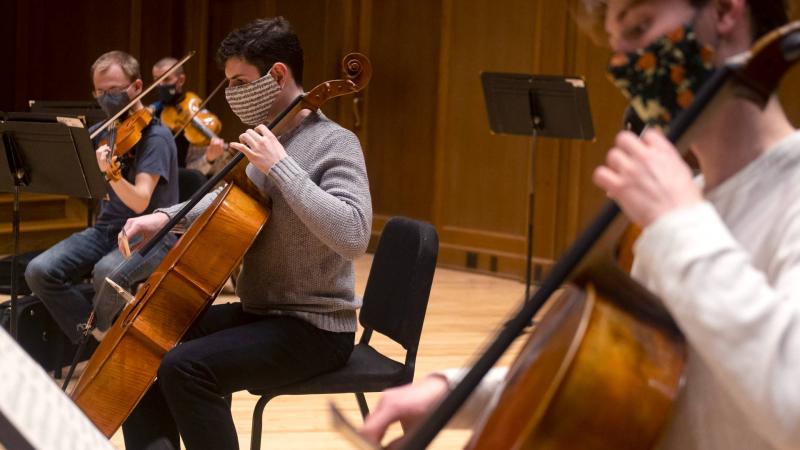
722,251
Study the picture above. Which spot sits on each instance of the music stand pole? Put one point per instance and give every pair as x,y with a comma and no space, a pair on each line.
15,234
536,120
20,177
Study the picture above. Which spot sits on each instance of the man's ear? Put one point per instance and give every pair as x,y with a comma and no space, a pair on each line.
138,85
180,82
281,73
730,13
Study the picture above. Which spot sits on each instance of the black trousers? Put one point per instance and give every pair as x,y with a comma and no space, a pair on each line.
229,350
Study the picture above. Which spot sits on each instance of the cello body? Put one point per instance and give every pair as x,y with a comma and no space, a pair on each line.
601,368
180,290
595,375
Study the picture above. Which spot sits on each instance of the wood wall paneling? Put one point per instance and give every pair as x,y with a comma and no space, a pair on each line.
402,104
423,123
484,177
483,181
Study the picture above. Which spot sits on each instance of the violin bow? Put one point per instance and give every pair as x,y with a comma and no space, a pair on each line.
144,92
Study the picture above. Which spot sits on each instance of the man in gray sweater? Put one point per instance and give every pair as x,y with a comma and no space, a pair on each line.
296,318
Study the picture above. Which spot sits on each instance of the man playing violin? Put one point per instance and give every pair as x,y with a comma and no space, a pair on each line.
296,318
148,181
207,159
722,251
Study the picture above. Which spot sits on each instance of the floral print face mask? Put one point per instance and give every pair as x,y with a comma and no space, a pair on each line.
662,79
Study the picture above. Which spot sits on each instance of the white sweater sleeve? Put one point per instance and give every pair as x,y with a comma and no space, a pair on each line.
743,322
481,401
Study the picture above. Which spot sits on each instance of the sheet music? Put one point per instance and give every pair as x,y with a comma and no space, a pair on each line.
39,411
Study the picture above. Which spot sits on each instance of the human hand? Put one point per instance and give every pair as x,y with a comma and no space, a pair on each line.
407,404
146,226
261,147
102,157
646,177
215,149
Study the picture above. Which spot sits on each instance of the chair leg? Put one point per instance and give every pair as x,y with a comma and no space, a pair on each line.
362,404
258,417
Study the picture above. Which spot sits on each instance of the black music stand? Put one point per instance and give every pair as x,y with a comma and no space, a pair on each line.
537,106
89,111
47,154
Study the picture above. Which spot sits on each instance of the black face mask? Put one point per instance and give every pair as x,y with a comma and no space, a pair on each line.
168,93
112,103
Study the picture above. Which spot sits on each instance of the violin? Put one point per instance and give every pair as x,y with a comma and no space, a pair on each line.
122,138
199,125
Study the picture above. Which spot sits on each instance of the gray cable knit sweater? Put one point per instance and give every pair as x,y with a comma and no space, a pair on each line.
301,264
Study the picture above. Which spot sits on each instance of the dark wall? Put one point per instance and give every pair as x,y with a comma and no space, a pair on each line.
8,53
422,120
48,46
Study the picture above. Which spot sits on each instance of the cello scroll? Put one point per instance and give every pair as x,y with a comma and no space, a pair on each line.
358,71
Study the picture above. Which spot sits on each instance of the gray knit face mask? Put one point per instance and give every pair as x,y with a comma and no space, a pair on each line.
252,102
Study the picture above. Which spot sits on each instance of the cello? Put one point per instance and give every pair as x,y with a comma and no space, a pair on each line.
186,282
605,361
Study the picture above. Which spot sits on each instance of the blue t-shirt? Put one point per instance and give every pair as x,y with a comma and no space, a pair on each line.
155,154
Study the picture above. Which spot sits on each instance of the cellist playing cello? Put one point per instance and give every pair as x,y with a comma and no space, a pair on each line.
722,251
297,315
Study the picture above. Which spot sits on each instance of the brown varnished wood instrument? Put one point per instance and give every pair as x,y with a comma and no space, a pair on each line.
604,362
189,278
199,126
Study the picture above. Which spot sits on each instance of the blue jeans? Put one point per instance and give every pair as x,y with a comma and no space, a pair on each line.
52,275
127,273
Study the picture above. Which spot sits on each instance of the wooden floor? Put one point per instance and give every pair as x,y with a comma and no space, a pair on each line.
464,311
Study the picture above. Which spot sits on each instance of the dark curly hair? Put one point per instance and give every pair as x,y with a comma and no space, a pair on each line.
262,43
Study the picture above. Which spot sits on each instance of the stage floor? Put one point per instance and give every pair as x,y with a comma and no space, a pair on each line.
464,311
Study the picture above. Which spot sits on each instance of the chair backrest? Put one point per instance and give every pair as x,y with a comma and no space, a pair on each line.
399,282
189,181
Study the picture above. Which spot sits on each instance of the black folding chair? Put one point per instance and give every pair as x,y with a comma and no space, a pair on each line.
395,301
